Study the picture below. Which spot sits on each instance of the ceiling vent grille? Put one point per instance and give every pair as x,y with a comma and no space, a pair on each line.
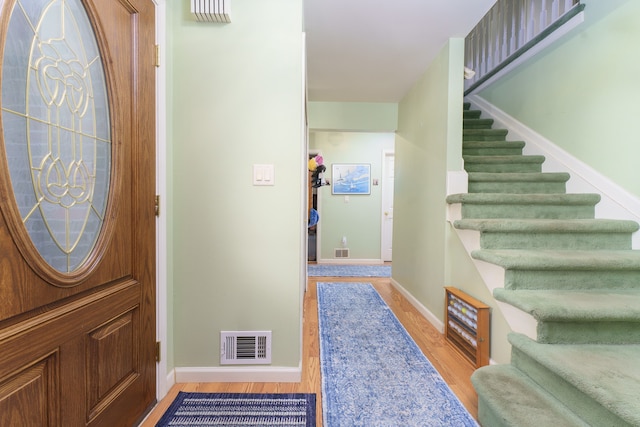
245,347
211,10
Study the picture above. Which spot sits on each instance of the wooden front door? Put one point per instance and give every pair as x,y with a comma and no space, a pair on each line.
77,223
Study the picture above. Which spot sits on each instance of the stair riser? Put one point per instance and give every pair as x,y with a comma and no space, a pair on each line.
477,136
518,187
470,210
580,403
484,134
589,332
471,114
492,151
573,279
488,417
479,125
476,121
570,241
504,393
503,168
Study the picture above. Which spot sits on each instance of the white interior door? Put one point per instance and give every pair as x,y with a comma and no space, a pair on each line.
387,204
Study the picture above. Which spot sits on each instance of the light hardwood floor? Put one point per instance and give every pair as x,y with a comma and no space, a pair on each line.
455,370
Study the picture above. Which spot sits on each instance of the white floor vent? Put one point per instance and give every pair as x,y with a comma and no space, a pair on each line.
245,347
341,253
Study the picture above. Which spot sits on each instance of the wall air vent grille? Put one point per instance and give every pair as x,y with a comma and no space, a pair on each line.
245,347
341,253
211,10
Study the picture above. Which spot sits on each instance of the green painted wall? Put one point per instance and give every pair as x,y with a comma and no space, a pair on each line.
420,185
427,253
236,97
358,217
580,92
353,116
421,170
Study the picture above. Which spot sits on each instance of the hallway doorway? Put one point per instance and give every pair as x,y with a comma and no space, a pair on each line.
388,171
313,204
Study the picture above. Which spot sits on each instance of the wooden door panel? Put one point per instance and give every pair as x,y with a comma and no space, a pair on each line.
98,352
78,348
39,335
113,344
30,398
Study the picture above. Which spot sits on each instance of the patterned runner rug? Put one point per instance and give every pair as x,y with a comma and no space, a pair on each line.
241,409
333,270
372,372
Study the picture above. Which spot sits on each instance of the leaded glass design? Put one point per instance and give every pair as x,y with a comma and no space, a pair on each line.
56,128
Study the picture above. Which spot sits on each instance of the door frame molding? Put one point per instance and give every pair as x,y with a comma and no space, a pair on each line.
164,380
315,152
385,154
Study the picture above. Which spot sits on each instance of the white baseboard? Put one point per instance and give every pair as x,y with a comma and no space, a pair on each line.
350,261
426,313
234,375
171,380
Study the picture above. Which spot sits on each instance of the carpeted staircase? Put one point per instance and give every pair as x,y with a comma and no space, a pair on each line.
577,276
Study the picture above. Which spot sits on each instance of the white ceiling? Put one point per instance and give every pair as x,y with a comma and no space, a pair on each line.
375,50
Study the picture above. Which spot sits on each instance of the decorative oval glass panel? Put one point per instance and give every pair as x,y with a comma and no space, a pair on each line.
56,125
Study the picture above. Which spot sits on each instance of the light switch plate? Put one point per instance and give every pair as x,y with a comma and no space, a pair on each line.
263,175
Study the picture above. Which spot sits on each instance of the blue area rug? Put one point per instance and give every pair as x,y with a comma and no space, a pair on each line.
332,270
241,409
373,373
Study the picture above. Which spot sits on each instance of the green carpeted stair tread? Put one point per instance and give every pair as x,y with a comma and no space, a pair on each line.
508,398
531,182
525,205
466,105
490,160
491,164
492,144
471,166
535,225
524,199
492,148
518,177
551,234
471,114
477,123
503,163
484,134
587,260
579,316
585,305
609,375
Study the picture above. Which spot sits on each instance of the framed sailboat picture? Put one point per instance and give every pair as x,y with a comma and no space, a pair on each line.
351,178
